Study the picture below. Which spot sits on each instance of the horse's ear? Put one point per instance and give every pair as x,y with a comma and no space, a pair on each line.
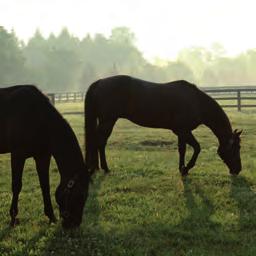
238,133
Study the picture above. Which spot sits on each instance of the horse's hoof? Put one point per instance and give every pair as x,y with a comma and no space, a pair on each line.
14,222
52,220
92,171
184,171
95,168
106,171
184,175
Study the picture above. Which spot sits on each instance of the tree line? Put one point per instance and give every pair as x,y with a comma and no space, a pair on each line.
65,62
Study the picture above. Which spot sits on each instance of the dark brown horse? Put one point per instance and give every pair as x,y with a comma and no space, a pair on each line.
31,127
178,106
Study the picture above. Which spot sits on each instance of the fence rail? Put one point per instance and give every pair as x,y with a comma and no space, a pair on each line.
238,97
234,97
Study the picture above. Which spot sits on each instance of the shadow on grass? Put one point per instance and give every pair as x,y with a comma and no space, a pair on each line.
5,232
244,195
196,234
51,239
17,241
85,239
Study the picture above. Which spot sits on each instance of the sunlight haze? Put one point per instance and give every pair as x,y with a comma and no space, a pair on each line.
162,28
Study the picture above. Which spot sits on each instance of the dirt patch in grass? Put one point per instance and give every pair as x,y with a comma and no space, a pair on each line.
159,143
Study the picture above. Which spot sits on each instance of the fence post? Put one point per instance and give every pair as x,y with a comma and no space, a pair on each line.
239,100
52,98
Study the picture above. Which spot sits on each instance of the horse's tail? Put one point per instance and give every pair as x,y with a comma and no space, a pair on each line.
90,110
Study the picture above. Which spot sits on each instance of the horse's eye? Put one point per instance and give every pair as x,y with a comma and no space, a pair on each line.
71,183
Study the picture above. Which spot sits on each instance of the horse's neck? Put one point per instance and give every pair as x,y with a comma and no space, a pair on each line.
66,151
216,119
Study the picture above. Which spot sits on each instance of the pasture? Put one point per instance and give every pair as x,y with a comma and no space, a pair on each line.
144,207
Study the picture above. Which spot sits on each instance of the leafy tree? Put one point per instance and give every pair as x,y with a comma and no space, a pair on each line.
152,73
12,61
209,77
64,63
35,53
53,62
122,36
178,70
88,76
196,58
123,51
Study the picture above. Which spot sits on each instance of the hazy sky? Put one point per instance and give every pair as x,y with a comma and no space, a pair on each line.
162,27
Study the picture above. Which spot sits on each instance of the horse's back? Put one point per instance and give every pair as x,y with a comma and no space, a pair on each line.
123,86
23,102
23,109
110,95
22,96
164,105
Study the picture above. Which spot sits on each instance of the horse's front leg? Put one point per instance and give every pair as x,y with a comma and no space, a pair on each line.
187,138
42,167
17,165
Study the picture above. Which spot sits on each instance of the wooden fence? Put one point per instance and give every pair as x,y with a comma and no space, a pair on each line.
63,97
238,97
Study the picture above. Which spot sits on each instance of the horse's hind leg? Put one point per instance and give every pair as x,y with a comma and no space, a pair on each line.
195,145
104,131
42,167
182,152
17,165
92,158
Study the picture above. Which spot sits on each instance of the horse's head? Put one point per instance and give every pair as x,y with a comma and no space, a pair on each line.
71,197
230,153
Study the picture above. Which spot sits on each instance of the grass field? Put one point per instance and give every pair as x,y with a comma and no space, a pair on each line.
144,207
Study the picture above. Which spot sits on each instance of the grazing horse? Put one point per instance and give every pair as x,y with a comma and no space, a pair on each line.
31,127
178,106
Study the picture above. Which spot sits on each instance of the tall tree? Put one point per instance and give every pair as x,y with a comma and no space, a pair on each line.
35,53
197,59
177,70
12,61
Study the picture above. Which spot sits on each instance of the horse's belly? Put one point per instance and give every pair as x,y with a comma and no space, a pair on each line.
166,121
151,122
23,143
4,150
4,145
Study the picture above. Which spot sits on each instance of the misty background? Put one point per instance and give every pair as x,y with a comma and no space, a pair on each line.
64,62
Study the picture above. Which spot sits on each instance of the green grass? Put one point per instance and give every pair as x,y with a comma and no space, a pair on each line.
144,207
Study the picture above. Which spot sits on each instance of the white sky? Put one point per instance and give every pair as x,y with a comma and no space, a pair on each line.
162,27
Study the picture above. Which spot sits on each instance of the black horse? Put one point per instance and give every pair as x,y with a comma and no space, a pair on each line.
31,127
179,106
